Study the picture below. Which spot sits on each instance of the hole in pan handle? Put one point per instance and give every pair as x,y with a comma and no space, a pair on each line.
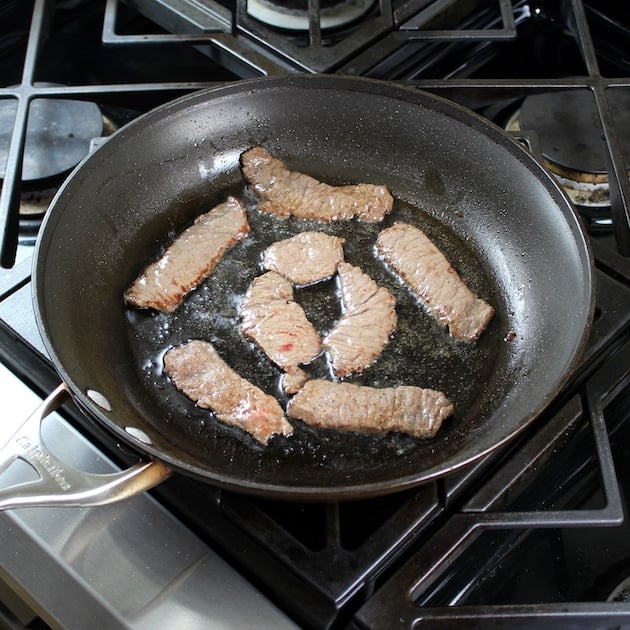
60,484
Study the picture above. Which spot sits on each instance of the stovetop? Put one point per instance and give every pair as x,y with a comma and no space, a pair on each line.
534,535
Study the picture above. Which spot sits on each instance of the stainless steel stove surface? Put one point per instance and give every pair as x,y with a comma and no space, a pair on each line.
536,535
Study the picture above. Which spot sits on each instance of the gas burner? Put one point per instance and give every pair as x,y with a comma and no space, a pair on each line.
569,131
294,14
35,202
587,190
37,194
58,136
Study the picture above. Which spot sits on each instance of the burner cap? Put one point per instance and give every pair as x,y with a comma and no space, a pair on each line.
568,127
58,135
293,14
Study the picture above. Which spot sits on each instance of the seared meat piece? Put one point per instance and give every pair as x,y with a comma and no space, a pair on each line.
190,258
369,318
288,193
201,374
348,407
410,253
277,324
293,380
305,258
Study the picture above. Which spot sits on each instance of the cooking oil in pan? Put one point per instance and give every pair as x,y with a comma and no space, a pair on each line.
420,351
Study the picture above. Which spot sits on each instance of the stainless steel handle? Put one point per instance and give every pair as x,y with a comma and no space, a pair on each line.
59,483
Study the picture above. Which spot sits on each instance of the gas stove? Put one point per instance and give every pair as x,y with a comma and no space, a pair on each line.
534,535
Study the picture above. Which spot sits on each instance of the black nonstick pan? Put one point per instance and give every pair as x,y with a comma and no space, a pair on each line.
492,209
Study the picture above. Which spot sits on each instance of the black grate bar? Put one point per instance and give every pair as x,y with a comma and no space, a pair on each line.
206,16
612,514
573,615
618,178
316,55
173,21
11,189
314,23
436,556
507,30
245,59
84,92
617,170
585,42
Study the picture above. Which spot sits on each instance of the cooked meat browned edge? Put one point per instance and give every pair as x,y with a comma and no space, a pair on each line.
423,267
293,380
349,407
190,258
369,318
200,373
306,258
288,193
271,318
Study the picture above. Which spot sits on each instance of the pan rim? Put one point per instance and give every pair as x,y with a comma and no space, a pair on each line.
332,82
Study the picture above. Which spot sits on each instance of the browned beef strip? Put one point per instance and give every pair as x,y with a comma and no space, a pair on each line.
200,373
423,267
190,258
288,193
345,406
277,324
369,317
305,258
293,380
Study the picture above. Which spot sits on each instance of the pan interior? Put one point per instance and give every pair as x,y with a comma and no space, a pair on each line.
419,353
512,237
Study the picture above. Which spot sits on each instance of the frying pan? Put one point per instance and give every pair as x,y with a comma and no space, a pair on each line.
498,216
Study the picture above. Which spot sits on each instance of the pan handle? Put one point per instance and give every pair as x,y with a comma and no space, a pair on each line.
60,484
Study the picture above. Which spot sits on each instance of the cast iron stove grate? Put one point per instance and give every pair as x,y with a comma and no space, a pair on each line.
436,555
